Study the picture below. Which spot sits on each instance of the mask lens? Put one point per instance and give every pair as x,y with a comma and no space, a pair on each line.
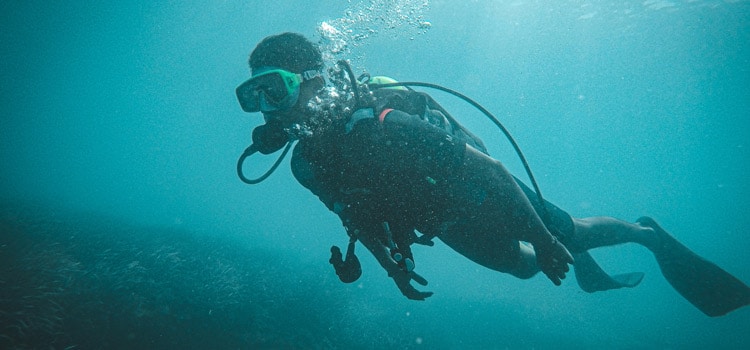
273,87
268,91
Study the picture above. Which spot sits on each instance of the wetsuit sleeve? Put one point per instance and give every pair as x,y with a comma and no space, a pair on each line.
331,193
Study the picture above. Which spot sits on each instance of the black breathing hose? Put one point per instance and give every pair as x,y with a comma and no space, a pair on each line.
252,150
353,80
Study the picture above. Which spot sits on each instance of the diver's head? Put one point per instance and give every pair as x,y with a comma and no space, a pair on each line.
286,74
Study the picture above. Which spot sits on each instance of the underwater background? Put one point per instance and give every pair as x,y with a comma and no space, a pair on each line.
124,225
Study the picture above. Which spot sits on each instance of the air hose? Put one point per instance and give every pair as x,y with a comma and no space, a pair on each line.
249,152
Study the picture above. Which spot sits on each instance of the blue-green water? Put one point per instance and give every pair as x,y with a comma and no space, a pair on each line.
124,222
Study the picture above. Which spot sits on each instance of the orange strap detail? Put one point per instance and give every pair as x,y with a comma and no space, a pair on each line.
382,115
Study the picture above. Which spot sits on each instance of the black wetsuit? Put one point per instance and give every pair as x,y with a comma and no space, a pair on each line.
395,167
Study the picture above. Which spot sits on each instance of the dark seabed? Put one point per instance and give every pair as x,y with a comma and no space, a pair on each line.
123,223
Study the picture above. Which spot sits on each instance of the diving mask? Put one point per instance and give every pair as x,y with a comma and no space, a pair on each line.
272,89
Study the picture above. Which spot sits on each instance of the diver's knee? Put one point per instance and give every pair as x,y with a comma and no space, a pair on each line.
524,266
586,224
524,274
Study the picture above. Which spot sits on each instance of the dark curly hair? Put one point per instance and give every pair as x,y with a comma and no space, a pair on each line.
288,51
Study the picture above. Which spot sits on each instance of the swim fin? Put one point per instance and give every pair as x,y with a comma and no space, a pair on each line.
705,285
591,278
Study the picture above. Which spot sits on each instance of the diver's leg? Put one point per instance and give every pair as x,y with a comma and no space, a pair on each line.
475,240
492,214
487,188
594,232
511,257
601,231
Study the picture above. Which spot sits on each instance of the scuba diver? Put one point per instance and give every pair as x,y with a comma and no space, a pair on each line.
398,170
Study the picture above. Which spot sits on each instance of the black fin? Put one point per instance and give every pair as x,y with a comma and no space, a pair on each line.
591,278
705,285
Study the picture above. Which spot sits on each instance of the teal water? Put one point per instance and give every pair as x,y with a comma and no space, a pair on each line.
121,133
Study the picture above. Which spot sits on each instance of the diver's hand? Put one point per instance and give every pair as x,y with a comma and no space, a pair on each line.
403,282
401,275
553,259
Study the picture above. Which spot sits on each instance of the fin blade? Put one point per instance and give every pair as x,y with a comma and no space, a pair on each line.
591,278
704,284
